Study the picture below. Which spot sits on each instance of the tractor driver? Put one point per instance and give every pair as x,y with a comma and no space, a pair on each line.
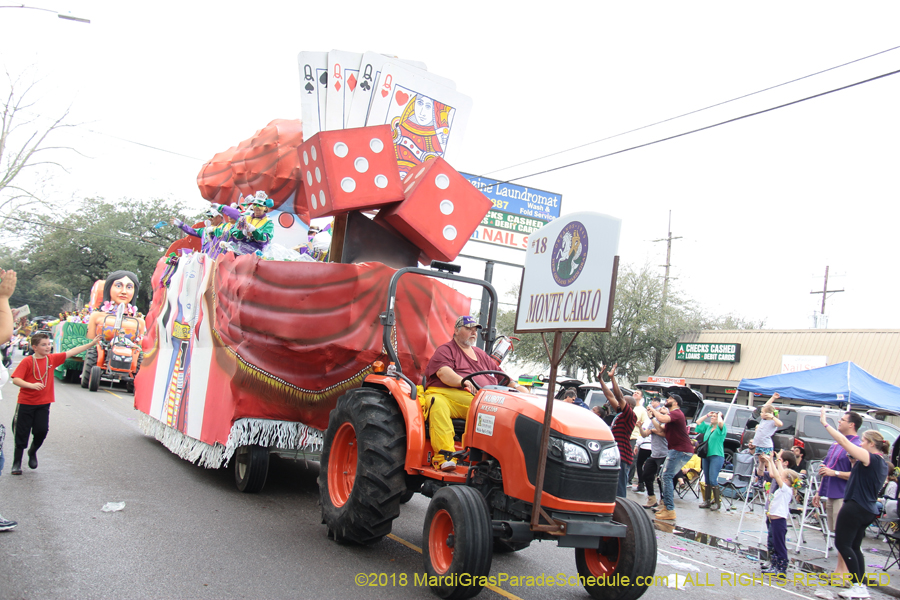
445,397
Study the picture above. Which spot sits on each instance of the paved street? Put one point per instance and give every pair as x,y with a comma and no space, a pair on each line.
186,532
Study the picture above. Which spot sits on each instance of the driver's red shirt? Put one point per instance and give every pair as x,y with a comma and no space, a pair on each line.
31,371
451,355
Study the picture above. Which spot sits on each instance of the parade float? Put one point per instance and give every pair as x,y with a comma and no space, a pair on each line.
322,356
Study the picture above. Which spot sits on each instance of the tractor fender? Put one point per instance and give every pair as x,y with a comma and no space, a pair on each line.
417,448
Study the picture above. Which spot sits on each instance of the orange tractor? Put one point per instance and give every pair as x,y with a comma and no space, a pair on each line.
377,454
117,356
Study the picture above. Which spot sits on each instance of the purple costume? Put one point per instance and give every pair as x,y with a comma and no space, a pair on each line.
209,240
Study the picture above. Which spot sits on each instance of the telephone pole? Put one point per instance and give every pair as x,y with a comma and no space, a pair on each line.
668,264
825,291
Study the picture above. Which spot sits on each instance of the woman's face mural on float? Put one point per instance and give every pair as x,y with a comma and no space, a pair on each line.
120,288
122,291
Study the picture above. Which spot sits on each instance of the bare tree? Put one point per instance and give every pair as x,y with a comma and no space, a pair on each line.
24,146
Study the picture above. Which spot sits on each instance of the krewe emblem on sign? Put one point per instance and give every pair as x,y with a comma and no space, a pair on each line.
570,274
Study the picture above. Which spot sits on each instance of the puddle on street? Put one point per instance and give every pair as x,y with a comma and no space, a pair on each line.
729,545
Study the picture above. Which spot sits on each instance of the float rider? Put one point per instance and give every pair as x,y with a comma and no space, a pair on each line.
445,397
251,233
209,234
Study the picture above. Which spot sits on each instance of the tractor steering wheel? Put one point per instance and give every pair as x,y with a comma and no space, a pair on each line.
471,377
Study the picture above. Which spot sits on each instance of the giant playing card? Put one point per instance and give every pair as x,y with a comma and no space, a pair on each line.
427,116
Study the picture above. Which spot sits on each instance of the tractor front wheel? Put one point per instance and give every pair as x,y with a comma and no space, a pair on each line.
361,475
94,380
633,556
457,541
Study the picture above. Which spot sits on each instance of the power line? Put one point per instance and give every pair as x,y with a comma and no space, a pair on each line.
699,129
691,112
144,145
110,237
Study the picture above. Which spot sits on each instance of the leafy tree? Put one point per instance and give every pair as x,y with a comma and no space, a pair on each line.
642,330
66,254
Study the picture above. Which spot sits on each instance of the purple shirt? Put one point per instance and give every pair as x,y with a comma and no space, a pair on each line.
837,459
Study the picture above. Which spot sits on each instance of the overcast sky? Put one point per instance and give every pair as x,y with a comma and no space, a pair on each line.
762,205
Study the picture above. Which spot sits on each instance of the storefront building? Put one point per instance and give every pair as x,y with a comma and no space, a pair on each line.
714,362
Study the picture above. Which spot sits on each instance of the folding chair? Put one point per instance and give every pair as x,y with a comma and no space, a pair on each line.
893,542
734,490
691,484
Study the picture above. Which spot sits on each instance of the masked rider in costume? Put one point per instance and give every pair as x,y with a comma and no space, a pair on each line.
251,233
209,234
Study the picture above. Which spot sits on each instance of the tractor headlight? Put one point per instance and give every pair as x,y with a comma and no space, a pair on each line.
563,450
609,457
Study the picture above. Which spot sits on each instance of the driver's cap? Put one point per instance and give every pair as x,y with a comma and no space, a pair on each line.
467,321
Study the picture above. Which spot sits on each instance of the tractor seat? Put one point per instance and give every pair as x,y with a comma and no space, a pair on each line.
459,427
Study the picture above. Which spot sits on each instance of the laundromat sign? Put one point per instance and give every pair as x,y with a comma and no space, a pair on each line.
708,352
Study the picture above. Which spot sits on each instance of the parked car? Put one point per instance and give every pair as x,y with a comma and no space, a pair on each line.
590,392
801,427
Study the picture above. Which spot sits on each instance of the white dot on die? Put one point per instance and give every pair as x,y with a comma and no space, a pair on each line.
442,181
347,184
318,175
446,207
450,232
376,145
312,152
309,177
312,200
305,158
419,172
381,181
361,165
409,187
340,149
322,198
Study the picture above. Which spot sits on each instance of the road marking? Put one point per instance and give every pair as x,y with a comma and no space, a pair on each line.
116,395
680,557
493,588
405,543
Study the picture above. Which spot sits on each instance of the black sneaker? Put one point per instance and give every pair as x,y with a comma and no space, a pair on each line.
6,525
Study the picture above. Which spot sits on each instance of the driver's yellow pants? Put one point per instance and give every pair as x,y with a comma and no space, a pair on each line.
439,406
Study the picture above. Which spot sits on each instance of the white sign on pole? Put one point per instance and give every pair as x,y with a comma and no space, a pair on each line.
569,280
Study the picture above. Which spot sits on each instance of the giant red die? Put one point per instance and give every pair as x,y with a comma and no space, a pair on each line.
349,169
440,212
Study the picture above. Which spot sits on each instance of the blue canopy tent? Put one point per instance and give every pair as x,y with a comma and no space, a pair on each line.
843,383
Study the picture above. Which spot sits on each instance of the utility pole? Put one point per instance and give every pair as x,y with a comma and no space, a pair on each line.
825,291
657,359
668,264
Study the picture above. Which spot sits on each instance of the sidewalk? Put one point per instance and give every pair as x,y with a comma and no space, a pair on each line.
719,529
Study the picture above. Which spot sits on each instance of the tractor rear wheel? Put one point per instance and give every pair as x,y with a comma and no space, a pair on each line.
251,465
633,556
457,540
361,476
94,380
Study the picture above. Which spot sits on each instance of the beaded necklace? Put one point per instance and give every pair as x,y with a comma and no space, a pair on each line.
34,370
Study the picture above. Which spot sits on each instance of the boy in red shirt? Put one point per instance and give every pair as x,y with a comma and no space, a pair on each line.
35,376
